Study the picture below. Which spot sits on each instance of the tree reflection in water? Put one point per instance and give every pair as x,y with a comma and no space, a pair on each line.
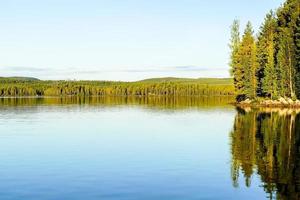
267,142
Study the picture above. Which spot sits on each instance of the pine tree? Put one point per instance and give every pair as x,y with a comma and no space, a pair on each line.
286,48
270,79
297,56
270,67
267,79
248,63
253,71
234,45
286,71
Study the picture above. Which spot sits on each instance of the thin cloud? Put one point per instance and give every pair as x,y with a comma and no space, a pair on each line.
24,69
195,68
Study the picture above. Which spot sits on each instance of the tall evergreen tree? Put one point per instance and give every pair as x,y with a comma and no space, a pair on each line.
286,71
270,67
236,70
286,49
297,55
248,62
266,75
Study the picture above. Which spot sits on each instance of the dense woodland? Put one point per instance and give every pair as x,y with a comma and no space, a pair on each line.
150,87
268,65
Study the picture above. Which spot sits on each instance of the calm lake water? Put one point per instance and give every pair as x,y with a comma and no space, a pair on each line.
137,148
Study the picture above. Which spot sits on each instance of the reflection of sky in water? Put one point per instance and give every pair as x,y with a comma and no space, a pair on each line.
82,152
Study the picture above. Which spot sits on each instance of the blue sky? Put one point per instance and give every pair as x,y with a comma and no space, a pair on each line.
121,39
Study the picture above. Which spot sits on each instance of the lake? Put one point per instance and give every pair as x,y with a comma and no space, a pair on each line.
146,148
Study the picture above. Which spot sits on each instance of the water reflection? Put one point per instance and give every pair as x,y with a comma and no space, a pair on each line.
186,140
267,142
90,148
153,102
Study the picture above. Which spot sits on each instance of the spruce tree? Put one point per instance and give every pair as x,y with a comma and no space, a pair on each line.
286,48
270,67
267,79
286,71
248,63
297,55
236,70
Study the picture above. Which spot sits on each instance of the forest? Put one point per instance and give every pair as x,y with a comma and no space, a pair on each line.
14,87
267,65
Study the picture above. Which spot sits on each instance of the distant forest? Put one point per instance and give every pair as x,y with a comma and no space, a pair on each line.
268,65
20,86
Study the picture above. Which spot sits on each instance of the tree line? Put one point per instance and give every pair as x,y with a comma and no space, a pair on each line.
268,65
108,88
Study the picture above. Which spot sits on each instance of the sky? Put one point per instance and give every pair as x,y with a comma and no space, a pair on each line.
121,39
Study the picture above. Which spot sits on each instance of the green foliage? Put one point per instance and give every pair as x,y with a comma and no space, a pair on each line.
266,74
285,65
234,46
161,87
247,64
236,69
297,55
269,66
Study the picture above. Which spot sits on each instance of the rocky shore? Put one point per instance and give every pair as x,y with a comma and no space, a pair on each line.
281,102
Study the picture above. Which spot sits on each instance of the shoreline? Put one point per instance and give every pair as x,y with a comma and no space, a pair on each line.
137,96
280,103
